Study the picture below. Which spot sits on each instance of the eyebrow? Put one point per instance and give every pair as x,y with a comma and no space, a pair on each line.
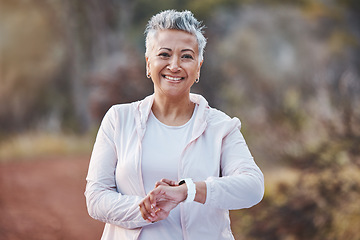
183,50
169,49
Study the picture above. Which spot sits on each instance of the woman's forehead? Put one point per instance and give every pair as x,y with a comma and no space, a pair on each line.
174,39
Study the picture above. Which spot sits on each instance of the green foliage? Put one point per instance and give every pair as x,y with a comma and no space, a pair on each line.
335,153
317,206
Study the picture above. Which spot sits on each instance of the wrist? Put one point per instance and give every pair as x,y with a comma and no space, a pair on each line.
201,192
183,190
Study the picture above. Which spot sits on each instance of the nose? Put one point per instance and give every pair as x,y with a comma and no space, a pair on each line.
174,64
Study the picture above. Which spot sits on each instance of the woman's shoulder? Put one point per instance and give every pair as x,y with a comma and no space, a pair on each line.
126,108
216,115
120,112
129,110
218,118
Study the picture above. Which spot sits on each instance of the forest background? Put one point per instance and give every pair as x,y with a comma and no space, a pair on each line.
290,70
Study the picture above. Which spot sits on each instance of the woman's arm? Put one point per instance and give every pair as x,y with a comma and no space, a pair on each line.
104,203
242,182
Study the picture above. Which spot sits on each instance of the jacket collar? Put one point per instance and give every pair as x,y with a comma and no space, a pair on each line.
201,116
143,109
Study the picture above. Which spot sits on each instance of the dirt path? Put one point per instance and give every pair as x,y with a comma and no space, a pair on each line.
44,200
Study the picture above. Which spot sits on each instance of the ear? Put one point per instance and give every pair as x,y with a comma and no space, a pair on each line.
147,65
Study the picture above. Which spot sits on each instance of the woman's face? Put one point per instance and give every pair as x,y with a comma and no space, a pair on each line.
173,62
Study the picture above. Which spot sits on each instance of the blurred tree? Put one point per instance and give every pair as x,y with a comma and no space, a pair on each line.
30,57
46,82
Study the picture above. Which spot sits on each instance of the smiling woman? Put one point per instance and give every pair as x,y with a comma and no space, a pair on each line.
194,155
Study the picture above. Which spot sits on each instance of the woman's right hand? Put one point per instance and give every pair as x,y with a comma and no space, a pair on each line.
166,195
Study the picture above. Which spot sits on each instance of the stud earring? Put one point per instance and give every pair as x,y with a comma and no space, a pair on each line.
148,76
197,80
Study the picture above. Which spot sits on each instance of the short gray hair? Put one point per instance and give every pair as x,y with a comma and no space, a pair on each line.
171,19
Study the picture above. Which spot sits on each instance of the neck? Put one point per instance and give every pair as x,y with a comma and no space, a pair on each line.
173,111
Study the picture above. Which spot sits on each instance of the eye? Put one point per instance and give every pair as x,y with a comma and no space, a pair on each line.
164,54
188,56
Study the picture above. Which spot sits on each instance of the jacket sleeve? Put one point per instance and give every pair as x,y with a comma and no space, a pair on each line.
103,201
242,182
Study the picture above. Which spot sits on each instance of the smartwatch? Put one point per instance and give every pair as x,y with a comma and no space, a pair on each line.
191,189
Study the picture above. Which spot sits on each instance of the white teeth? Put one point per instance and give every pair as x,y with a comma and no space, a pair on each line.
172,78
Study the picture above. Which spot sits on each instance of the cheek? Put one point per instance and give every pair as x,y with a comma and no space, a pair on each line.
194,70
156,66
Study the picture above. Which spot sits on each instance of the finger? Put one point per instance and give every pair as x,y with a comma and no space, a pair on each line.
150,208
159,216
160,184
143,212
153,195
146,209
169,182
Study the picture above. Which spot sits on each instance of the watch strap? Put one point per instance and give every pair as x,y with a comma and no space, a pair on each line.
191,189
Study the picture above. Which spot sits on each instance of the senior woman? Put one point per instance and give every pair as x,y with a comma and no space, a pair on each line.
170,166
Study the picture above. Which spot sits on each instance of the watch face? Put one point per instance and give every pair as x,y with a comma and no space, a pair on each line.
181,182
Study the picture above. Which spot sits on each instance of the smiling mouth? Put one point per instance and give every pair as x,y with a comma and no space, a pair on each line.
173,78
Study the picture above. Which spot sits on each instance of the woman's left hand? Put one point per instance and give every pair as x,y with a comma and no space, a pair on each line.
166,195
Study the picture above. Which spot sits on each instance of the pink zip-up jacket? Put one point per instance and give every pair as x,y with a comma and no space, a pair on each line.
217,154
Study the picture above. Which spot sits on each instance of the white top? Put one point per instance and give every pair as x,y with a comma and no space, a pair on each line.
162,148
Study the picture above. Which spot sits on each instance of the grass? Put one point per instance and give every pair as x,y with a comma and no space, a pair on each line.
39,144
